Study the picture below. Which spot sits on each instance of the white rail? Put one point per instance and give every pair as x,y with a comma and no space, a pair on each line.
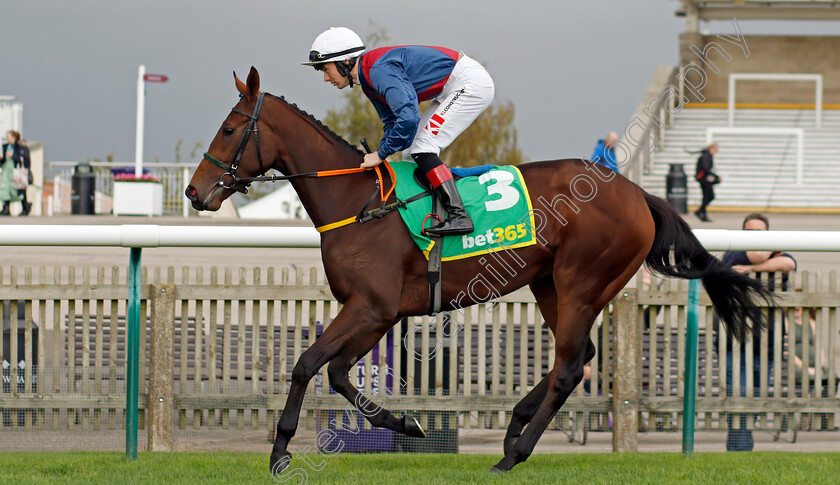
816,78
152,236
798,132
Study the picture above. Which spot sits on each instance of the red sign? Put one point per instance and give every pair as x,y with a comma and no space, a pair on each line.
155,78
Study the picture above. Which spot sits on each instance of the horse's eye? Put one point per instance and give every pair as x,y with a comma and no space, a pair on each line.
227,131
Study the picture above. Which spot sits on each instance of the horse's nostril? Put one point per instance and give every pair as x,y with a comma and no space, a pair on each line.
191,193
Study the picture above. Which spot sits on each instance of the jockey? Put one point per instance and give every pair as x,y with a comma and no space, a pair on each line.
396,80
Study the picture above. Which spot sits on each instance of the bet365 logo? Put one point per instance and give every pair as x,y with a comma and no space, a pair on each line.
496,235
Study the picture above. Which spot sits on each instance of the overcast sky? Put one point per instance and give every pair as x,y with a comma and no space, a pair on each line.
574,70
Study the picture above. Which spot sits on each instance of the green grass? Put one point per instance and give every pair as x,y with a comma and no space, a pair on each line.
403,469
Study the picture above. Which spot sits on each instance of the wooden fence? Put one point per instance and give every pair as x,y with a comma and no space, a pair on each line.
221,343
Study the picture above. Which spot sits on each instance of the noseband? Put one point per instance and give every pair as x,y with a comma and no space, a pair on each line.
238,183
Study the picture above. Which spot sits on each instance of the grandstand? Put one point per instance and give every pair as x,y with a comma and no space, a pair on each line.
759,170
779,131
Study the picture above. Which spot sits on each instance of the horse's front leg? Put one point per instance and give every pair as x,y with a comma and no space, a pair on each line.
377,415
339,334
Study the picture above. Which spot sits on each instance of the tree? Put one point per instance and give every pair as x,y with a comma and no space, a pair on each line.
492,137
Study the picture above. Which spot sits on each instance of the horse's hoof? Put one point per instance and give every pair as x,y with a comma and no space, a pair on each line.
504,465
412,427
508,444
279,462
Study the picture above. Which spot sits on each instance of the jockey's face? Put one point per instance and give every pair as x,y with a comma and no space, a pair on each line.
332,76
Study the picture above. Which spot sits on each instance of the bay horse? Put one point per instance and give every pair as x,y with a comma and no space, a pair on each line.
595,229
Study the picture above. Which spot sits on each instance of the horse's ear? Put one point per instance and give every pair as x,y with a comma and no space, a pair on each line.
253,84
240,86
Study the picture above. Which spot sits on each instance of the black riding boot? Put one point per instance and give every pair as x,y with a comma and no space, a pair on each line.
457,220
6,209
24,204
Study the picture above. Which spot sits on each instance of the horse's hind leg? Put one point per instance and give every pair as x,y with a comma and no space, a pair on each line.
376,414
524,410
546,296
572,348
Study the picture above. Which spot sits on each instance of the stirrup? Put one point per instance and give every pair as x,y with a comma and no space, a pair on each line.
452,227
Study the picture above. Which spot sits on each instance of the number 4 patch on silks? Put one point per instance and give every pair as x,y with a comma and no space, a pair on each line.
497,201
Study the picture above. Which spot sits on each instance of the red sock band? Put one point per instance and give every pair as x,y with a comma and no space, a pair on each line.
438,175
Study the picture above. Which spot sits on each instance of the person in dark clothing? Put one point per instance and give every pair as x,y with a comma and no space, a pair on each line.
707,178
764,264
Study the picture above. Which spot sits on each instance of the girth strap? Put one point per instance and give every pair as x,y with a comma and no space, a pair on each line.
435,262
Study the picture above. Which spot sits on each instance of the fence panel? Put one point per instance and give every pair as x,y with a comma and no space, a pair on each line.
237,334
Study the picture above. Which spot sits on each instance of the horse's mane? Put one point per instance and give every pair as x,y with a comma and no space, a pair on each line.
317,123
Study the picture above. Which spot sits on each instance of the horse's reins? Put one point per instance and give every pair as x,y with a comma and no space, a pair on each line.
240,184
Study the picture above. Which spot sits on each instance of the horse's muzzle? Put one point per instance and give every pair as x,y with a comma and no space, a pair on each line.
192,195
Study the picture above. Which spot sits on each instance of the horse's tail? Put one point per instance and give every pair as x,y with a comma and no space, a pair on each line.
733,294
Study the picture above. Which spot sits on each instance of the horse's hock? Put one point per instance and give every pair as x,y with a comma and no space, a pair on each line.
220,346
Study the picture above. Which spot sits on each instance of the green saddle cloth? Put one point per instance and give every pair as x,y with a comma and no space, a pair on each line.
497,201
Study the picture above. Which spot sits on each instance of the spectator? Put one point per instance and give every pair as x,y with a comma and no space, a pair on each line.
707,178
806,321
15,155
605,152
796,333
764,264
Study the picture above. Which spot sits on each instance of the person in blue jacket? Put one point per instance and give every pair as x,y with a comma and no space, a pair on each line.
605,152
396,80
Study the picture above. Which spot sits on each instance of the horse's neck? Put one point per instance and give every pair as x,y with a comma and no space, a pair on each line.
326,199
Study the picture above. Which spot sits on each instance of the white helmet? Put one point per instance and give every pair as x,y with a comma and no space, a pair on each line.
336,44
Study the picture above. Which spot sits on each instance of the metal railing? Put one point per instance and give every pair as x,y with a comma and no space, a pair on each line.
817,79
173,176
653,114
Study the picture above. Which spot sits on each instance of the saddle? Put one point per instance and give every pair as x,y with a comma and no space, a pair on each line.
433,274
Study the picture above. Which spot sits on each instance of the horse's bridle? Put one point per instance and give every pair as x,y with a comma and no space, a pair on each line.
238,183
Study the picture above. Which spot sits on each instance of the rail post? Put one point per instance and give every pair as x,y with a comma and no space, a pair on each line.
626,364
161,368
690,393
132,354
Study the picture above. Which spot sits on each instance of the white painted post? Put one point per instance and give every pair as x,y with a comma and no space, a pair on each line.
755,76
818,105
138,143
731,100
800,156
798,132
186,177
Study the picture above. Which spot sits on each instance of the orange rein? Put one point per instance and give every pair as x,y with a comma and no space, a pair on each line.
346,171
383,196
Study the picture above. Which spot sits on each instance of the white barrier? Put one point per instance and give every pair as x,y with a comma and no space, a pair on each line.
799,133
754,76
728,240
153,236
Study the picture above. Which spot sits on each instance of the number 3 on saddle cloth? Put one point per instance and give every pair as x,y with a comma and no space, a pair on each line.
496,199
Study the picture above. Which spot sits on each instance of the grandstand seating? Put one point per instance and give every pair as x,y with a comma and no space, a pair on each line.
758,170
